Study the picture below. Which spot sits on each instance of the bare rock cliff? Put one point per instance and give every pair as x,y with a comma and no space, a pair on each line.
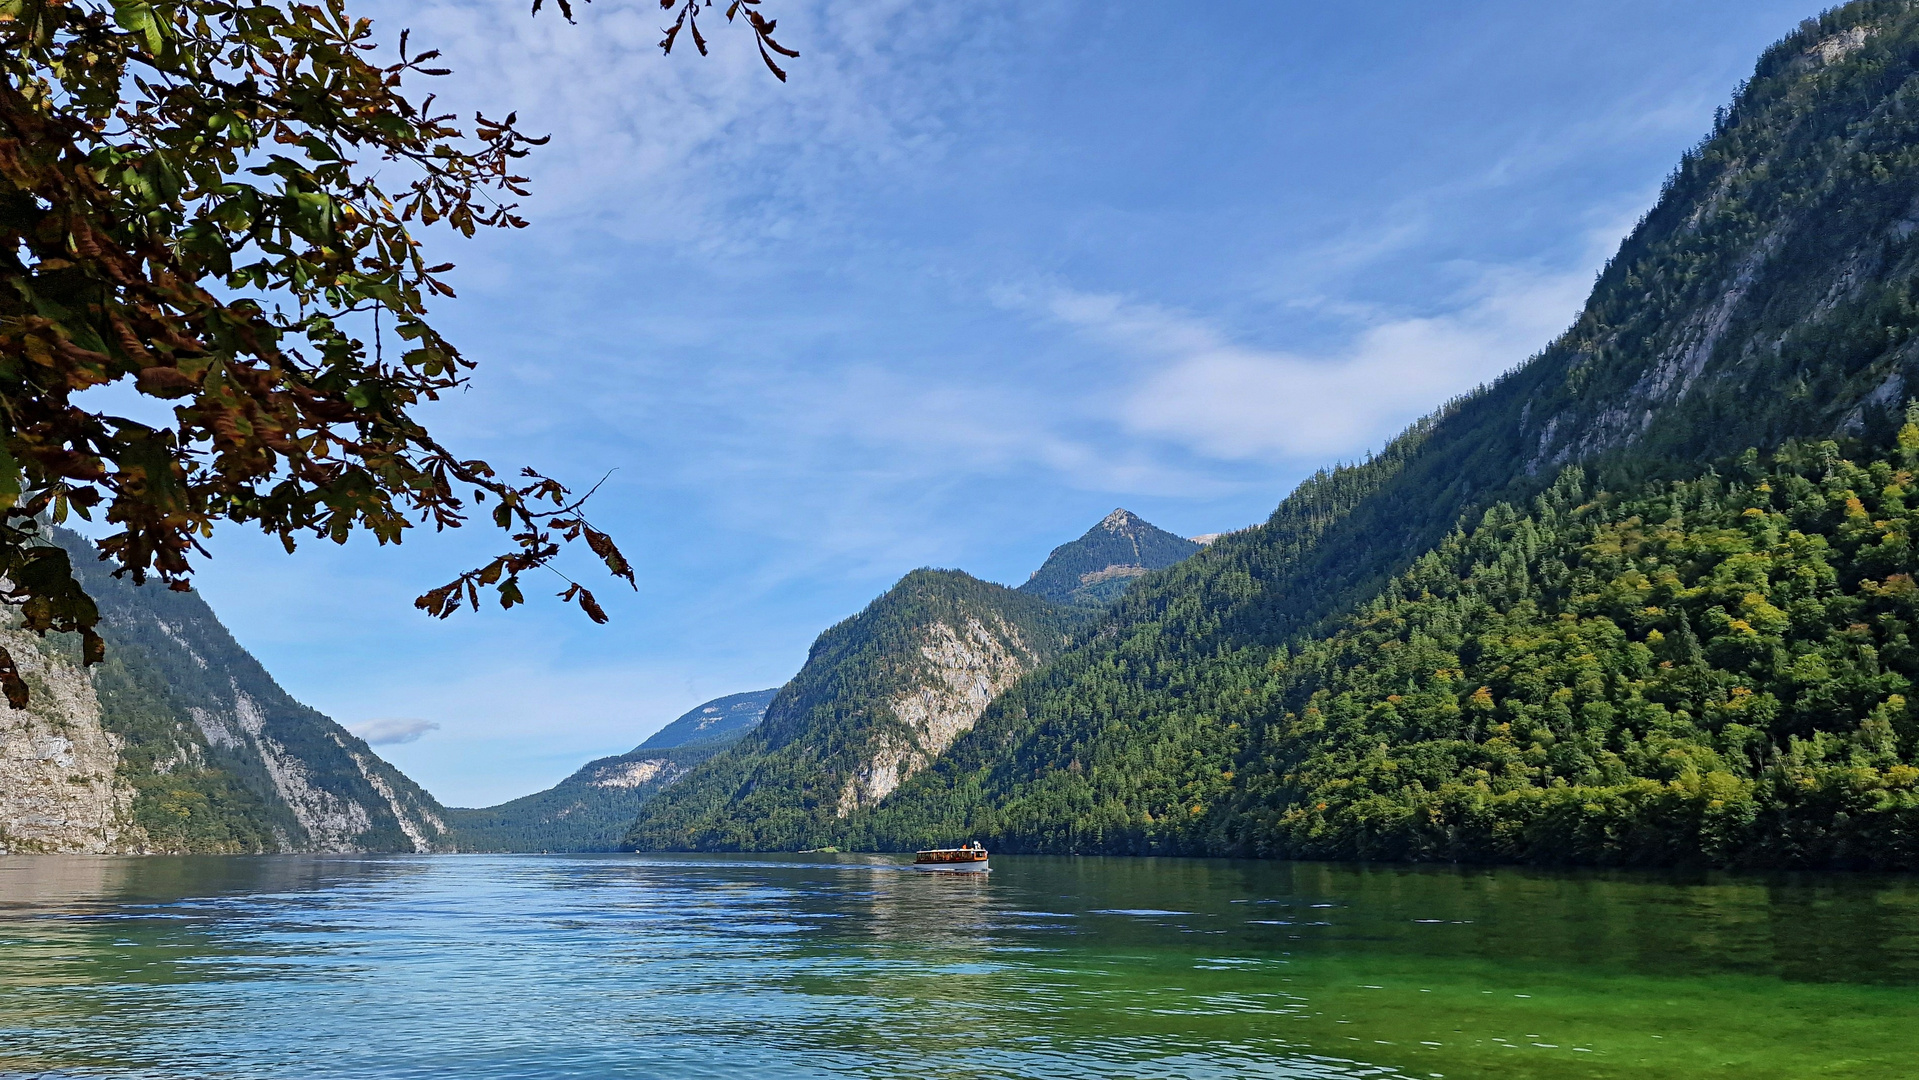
60,788
964,671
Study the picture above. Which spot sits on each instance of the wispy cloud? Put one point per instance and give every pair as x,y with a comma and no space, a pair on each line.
1198,387
392,731
709,153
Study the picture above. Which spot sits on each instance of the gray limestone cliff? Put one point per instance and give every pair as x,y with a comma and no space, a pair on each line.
965,668
60,783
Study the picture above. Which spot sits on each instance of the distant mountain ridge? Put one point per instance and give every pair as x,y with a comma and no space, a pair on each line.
592,809
1095,569
720,721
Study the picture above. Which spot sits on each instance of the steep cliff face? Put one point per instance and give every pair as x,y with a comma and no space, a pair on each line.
592,809
181,742
1768,294
965,669
60,783
882,695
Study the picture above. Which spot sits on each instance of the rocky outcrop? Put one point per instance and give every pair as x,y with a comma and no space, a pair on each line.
631,774
60,788
1841,45
1117,570
964,671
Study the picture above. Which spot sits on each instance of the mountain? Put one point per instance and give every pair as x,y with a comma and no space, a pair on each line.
716,723
881,695
181,742
1766,304
1094,569
592,809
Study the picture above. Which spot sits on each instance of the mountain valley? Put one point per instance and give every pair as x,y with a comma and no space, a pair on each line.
592,809
1645,599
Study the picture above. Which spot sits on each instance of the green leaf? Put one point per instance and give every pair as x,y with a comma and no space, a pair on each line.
138,17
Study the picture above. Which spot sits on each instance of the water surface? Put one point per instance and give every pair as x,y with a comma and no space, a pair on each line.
852,966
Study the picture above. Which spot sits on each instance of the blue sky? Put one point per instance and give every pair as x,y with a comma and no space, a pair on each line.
978,274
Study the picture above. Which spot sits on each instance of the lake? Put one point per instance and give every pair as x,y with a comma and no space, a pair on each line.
853,966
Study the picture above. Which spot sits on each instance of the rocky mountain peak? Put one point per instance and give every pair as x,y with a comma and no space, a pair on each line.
1098,566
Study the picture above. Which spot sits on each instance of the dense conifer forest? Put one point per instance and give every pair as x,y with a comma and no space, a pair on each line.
1646,599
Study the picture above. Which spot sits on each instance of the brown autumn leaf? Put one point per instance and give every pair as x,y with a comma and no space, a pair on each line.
11,682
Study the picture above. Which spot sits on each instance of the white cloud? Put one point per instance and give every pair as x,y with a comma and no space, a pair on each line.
1197,387
392,731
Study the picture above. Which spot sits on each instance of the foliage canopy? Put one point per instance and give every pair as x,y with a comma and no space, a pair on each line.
214,201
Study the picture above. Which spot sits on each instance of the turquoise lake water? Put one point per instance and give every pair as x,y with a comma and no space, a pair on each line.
853,966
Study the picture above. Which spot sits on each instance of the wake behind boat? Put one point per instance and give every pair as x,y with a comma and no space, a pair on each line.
969,857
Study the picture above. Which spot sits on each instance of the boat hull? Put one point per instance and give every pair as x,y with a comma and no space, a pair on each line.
979,867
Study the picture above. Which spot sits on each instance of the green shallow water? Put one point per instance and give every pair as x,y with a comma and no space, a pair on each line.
852,966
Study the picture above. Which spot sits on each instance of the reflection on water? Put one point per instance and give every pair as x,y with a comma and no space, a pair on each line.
853,966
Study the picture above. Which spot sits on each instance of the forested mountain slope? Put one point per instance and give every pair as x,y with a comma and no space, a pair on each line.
881,695
1096,568
181,742
592,809
1715,671
1768,296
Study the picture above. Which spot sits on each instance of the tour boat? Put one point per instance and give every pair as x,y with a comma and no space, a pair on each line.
970,857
